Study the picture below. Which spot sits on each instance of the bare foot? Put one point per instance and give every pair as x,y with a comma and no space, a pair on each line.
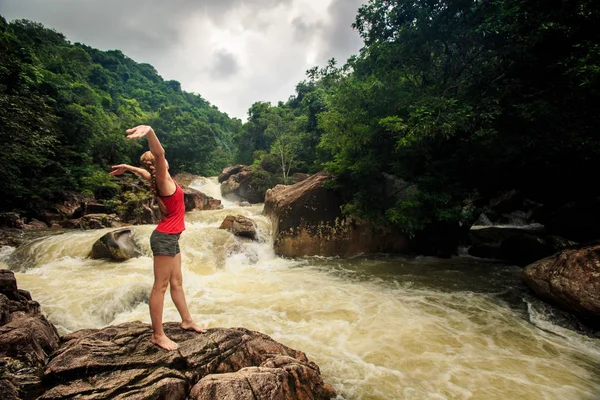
191,326
164,342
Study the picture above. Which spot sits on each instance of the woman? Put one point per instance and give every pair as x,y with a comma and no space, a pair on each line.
164,241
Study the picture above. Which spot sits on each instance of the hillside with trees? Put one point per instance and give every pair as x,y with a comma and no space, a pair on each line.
64,109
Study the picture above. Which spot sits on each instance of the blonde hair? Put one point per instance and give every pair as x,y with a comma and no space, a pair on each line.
148,162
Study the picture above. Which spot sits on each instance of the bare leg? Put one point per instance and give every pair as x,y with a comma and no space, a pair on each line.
178,297
163,267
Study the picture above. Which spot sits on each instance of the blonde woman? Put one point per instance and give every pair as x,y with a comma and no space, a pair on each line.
164,241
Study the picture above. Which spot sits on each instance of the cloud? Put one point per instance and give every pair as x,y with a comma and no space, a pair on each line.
232,52
225,66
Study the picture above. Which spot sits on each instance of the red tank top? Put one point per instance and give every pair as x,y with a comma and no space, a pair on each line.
173,222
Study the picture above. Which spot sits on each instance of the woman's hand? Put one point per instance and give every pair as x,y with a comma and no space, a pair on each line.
139,131
118,169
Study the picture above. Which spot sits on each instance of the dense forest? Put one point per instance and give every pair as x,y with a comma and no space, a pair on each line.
459,99
462,99
64,109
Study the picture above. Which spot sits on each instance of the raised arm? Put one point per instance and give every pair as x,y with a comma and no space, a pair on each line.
121,168
165,183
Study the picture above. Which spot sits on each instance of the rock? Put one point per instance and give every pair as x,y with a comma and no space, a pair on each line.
35,224
228,172
71,207
119,362
8,391
117,245
527,248
196,200
26,341
307,221
11,220
251,383
577,221
185,179
519,246
95,208
12,237
247,183
570,279
94,221
8,284
240,226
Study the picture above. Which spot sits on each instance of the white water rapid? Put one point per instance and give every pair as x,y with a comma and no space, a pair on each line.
379,327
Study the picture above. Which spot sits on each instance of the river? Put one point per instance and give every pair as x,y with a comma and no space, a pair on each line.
379,327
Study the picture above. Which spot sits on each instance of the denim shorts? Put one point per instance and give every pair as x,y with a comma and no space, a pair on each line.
164,244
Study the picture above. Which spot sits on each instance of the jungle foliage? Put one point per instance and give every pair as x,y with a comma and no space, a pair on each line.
64,109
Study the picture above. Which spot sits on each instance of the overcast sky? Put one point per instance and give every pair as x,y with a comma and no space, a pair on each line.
232,52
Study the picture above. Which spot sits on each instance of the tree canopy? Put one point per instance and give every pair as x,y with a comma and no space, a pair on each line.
64,109
462,99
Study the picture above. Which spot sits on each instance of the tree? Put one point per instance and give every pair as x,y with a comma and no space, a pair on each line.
283,128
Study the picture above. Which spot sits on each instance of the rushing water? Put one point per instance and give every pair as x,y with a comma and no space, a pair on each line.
379,327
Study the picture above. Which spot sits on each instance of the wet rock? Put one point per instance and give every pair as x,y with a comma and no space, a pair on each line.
307,221
26,340
240,226
570,279
241,185
119,362
185,179
8,284
117,245
196,200
229,171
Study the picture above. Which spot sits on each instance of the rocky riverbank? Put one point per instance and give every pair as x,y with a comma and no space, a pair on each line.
119,362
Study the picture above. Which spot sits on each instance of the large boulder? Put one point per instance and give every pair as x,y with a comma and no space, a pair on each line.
26,340
119,362
307,221
229,171
196,200
242,183
71,206
240,226
118,245
570,279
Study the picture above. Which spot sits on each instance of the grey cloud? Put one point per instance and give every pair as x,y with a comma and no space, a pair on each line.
158,32
225,66
341,40
304,31
133,22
